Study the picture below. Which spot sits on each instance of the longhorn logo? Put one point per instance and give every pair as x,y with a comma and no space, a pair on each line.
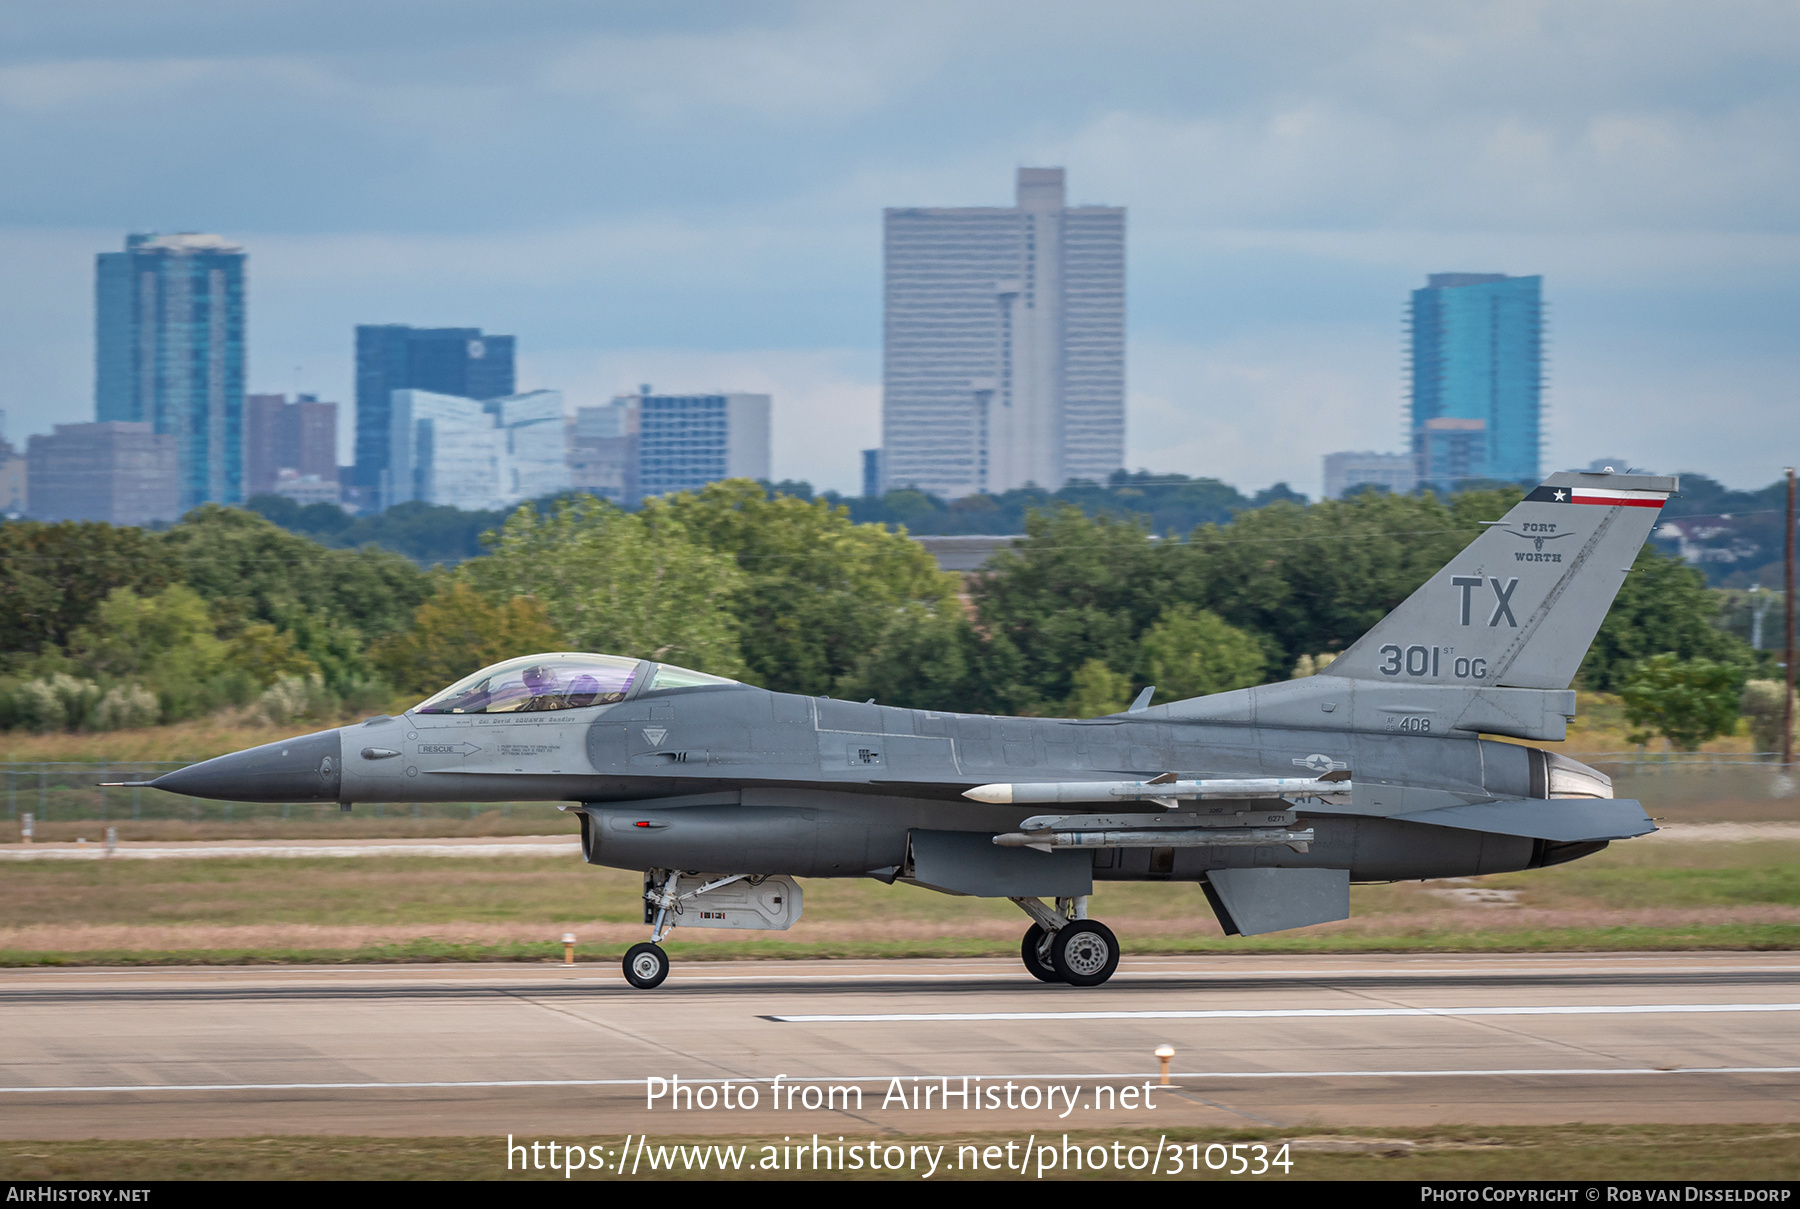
1538,542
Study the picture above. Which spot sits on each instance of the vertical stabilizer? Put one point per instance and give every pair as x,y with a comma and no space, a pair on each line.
1520,605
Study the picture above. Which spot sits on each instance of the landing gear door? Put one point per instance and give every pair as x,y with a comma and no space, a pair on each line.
766,904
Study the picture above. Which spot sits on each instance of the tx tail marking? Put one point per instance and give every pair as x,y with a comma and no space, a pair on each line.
1465,582
1503,597
1504,607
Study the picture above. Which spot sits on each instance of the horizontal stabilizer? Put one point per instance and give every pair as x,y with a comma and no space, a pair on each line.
1562,819
1252,901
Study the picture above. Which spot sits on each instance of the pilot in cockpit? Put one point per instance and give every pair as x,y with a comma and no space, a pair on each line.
543,690
582,691
547,692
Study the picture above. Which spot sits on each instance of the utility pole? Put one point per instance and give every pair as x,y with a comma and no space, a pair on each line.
1787,559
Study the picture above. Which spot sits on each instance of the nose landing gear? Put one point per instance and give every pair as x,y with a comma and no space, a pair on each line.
734,900
646,965
1066,946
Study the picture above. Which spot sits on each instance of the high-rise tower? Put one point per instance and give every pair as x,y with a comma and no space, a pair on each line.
1004,343
688,441
169,351
458,361
1477,378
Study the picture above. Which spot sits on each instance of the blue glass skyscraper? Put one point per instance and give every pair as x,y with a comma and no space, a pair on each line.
1477,378
169,350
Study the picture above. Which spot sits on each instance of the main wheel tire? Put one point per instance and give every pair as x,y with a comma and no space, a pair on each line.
646,966
1085,952
1029,948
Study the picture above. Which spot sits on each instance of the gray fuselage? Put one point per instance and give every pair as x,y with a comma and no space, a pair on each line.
731,777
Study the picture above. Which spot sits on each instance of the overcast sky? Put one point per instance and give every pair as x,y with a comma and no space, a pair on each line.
690,195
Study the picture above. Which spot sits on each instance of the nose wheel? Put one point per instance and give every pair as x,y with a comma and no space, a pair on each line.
646,965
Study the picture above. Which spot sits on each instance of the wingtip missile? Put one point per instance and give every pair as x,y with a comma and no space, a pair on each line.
1164,790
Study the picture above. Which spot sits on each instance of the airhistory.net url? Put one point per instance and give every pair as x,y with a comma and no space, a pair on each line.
638,1156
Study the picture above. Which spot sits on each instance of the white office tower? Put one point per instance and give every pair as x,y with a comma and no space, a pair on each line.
603,453
474,454
537,445
443,450
685,442
1005,343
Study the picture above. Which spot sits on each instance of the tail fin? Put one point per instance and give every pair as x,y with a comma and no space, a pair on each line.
1487,619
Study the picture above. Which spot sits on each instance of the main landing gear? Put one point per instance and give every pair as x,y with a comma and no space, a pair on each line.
1064,945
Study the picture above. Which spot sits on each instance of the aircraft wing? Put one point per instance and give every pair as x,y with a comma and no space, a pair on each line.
1560,819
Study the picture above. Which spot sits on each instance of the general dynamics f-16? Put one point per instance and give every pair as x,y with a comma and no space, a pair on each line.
1274,799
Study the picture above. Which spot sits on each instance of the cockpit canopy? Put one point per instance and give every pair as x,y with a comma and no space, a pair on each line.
539,683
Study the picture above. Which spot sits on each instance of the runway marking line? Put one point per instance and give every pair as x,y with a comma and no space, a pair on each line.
1292,1013
320,973
1522,1072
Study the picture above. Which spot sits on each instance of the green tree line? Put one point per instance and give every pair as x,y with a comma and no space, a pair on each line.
793,594
109,626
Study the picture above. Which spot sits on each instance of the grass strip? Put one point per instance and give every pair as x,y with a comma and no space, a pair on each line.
1553,1152
1743,937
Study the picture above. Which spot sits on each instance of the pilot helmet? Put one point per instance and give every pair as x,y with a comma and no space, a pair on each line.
540,679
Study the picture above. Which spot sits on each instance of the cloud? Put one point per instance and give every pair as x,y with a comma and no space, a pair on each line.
1670,405
834,68
1262,407
705,182
632,252
1322,163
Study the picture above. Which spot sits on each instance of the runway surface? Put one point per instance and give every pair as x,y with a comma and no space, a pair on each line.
1261,1042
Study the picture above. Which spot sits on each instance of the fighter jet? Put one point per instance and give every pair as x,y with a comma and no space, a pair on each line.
1273,799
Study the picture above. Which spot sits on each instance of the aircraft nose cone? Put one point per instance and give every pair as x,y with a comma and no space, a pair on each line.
307,769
